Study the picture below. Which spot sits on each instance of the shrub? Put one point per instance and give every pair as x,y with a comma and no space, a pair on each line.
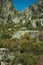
37,48
26,59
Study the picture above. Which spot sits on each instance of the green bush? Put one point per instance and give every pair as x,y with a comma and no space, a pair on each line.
25,46
5,36
26,59
37,48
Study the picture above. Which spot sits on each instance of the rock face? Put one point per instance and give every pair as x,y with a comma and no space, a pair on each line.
8,12
35,14
31,17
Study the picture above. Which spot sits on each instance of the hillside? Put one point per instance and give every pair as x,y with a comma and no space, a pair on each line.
21,34
30,18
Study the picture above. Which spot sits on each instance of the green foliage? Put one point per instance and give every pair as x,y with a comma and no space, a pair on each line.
1,45
29,59
26,59
25,46
5,36
37,48
32,46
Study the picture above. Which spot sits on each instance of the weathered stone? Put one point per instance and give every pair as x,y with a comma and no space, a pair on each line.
9,14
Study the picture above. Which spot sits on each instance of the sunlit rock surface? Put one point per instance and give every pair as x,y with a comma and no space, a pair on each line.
31,17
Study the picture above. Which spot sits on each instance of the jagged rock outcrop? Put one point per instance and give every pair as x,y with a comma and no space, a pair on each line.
31,17
35,14
8,12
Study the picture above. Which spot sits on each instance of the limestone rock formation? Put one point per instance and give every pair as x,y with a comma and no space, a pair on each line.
35,14
31,17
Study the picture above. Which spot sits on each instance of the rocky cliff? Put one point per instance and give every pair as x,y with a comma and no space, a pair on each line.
30,18
34,14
